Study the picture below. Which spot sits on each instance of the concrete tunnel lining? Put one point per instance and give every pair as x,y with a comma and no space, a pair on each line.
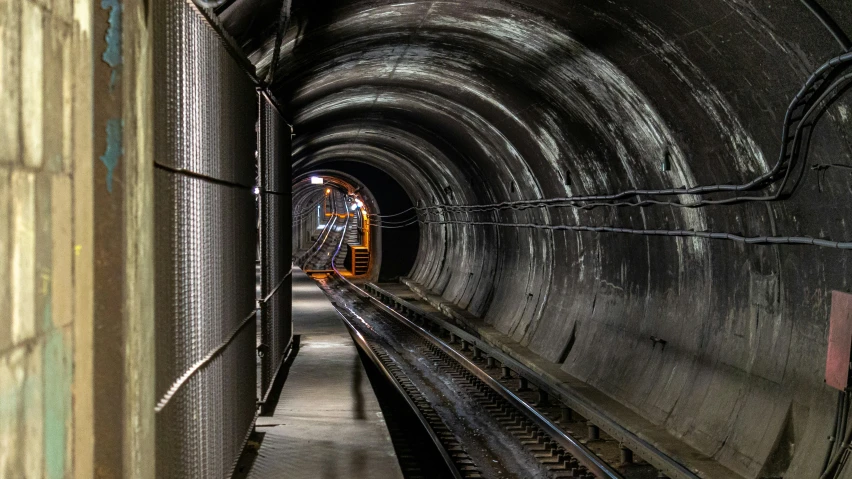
477,102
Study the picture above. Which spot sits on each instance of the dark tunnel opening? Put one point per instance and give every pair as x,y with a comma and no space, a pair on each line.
400,238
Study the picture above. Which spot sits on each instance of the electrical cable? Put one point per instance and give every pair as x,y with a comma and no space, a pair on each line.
375,215
825,166
835,460
841,432
283,24
829,24
832,440
554,203
760,240
202,176
406,225
801,99
569,201
396,222
297,216
605,200
308,255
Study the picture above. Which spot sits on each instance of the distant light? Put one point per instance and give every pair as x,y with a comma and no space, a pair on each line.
316,180
354,207
327,190
359,203
256,190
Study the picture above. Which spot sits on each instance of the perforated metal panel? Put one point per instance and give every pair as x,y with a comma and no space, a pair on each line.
274,168
205,108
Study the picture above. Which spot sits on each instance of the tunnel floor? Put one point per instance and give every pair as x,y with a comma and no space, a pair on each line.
327,422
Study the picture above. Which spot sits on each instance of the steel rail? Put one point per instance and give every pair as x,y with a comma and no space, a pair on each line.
659,459
329,225
318,244
580,452
583,455
365,347
362,342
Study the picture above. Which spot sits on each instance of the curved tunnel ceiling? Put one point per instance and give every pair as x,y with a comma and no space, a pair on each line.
483,102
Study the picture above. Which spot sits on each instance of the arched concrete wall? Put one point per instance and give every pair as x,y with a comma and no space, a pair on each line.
477,102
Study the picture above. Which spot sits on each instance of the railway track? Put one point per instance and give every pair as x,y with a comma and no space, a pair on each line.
464,399
486,429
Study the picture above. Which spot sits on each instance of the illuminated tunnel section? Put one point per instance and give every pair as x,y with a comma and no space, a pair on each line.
596,178
397,235
329,211
386,224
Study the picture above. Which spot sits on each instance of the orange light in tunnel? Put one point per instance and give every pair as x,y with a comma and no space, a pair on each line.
327,190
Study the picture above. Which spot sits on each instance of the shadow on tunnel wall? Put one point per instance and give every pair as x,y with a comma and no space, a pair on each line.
498,117
399,245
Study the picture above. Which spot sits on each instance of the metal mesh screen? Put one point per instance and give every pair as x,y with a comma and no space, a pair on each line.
274,168
205,245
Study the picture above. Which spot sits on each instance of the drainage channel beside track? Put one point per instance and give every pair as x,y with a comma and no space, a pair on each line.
485,428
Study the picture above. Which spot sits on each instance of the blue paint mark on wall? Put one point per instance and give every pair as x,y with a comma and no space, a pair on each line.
112,54
114,148
57,398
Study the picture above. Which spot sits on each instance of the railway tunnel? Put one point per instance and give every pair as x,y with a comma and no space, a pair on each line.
528,238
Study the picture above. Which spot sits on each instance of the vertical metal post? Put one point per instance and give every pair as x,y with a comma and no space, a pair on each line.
626,455
594,433
567,415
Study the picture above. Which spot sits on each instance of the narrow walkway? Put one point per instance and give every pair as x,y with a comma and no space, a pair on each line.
327,423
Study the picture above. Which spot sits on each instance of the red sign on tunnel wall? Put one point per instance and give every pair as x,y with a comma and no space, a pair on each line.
839,340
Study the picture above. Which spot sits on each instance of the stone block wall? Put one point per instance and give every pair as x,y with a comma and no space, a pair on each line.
38,40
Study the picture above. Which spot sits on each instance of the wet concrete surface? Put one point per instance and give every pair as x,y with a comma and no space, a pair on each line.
477,102
327,423
495,451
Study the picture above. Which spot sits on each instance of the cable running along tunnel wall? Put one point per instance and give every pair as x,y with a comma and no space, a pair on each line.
474,102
